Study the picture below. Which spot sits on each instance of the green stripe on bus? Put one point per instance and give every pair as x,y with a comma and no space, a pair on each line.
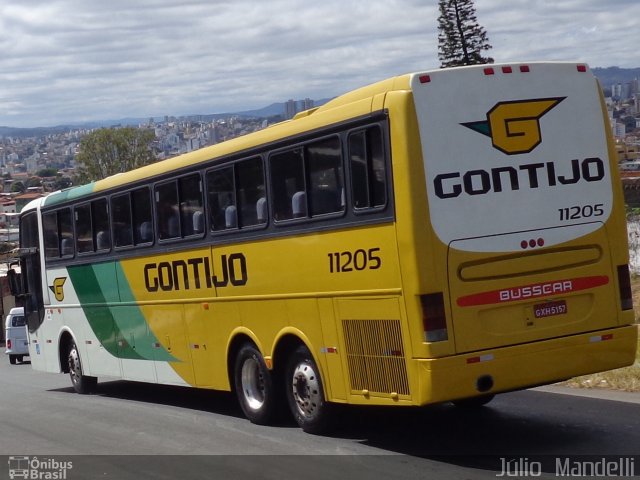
121,329
70,194
133,320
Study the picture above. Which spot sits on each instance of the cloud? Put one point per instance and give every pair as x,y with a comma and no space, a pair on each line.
67,61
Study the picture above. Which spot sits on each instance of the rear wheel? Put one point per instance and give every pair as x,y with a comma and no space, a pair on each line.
474,402
13,359
81,383
305,393
254,385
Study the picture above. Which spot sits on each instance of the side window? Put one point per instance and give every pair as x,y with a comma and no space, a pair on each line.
142,217
326,180
237,196
92,227
288,185
29,230
84,237
65,227
250,192
167,208
51,237
122,225
191,209
222,201
58,234
100,220
308,181
179,207
368,168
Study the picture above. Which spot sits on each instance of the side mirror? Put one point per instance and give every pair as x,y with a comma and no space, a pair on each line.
15,283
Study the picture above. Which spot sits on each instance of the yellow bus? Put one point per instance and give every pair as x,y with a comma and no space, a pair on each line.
439,236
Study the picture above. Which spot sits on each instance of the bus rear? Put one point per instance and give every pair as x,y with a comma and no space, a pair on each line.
527,226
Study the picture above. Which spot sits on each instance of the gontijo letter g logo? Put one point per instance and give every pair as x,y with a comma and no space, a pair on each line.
57,288
514,126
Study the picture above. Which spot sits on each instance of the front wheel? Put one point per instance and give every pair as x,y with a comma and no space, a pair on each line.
305,393
81,383
254,385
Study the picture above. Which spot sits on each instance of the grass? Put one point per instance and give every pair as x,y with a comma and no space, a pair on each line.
626,379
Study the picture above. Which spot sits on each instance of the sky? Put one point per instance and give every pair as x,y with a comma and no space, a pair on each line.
72,61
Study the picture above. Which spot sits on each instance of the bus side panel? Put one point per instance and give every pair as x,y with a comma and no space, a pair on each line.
102,348
331,358
167,321
197,318
337,262
420,253
42,356
376,349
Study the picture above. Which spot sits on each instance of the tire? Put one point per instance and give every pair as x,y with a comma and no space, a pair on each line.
81,383
13,359
254,385
305,393
474,402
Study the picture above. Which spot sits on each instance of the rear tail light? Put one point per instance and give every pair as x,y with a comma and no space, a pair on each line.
9,344
434,318
624,280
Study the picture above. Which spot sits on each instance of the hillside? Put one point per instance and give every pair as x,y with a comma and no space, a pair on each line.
607,76
612,75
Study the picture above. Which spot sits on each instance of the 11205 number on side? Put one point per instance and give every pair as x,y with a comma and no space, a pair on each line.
361,259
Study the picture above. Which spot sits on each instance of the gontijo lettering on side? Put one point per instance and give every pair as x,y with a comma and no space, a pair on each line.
195,273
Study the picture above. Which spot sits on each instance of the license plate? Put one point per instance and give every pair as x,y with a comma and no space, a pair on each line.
549,309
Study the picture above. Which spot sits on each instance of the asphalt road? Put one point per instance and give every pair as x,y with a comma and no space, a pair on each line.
131,430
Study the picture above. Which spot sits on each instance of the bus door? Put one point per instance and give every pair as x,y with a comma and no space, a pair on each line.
27,285
31,271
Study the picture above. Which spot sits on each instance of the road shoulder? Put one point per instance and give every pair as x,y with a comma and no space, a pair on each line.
602,394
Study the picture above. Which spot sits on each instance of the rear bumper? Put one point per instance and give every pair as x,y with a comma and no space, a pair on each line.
19,348
527,365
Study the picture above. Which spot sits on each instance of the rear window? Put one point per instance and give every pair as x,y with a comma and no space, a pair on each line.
18,321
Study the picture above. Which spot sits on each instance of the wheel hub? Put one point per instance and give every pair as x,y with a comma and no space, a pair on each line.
253,383
306,389
74,366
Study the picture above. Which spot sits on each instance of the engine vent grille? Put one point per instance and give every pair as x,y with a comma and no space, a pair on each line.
375,356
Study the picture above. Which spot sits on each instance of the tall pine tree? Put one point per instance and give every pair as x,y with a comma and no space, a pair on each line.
461,40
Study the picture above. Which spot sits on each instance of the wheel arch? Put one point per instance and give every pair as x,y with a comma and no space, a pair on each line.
65,340
237,339
285,344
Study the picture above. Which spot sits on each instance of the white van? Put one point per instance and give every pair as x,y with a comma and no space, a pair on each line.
16,335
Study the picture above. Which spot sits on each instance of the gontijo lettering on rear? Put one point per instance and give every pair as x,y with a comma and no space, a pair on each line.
515,162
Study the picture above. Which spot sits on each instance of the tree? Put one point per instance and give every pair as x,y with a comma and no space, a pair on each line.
18,187
108,151
461,40
62,183
47,172
33,182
